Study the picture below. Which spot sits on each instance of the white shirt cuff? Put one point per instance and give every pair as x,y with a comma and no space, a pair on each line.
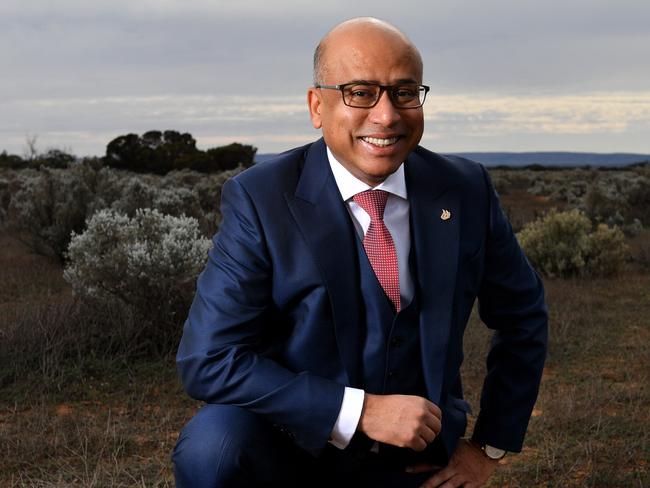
348,419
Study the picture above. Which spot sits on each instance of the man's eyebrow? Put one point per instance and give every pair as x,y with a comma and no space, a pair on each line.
362,82
374,82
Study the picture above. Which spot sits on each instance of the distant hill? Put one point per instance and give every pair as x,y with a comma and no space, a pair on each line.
513,159
558,159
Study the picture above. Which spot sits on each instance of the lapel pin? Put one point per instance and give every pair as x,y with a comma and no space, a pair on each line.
445,215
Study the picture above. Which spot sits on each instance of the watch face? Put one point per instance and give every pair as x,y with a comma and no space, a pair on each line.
494,453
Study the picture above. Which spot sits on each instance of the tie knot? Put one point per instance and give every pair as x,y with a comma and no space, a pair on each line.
373,202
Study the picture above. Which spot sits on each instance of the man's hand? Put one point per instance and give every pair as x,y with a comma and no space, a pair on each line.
468,467
400,420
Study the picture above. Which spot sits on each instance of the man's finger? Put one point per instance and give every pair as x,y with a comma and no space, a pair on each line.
418,444
422,468
428,434
453,483
440,477
435,410
432,422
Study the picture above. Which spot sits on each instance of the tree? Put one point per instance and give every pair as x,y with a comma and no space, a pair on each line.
31,153
154,152
124,152
55,158
227,157
12,161
161,152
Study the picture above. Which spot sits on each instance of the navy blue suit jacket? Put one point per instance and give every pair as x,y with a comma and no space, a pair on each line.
274,327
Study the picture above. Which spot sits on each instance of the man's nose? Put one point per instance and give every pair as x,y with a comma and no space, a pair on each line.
384,113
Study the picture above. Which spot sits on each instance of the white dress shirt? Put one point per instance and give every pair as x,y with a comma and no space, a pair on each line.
396,218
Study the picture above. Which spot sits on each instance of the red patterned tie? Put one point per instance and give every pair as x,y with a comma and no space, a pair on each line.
378,243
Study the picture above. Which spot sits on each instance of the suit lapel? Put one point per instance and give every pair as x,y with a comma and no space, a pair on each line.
325,223
435,243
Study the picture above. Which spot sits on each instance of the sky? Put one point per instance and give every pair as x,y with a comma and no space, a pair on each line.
505,75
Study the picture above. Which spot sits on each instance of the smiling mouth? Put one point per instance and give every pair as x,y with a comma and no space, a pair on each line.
375,141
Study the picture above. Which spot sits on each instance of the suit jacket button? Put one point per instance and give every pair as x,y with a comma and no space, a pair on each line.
396,341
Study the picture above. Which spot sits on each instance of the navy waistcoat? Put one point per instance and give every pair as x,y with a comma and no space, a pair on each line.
391,361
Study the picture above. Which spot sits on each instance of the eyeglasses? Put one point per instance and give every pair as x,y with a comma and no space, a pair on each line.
367,95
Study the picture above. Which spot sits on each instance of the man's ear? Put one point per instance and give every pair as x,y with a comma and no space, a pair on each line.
315,104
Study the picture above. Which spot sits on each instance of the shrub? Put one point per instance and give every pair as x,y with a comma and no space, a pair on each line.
622,200
177,202
563,244
638,200
208,190
146,191
5,199
148,262
46,205
11,161
603,202
49,205
136,193
606,252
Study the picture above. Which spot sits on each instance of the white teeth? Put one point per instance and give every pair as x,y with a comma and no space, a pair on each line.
380,142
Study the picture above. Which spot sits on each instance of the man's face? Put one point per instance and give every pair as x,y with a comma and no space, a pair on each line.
370,142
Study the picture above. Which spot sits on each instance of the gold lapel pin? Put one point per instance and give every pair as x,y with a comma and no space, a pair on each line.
445,215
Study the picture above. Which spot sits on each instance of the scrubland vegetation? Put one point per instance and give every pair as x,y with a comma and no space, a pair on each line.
97,271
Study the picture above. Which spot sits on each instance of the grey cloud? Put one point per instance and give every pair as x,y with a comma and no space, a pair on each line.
73,50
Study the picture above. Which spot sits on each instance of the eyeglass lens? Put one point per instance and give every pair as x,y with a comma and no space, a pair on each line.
362,95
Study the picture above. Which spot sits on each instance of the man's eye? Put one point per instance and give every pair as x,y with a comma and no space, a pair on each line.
406,92
360,94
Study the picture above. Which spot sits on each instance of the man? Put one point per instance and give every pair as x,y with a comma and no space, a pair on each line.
326,332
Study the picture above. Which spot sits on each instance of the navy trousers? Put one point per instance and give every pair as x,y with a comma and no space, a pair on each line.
226,446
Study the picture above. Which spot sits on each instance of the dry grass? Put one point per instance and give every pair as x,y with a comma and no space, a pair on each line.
72,412
27,278
120,434
589,427
98,421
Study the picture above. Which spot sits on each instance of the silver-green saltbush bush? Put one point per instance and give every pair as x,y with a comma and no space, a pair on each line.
49,204
45,206
149,263
563,244
172,195
5,199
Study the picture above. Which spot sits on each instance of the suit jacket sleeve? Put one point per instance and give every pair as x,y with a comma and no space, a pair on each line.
224,355
511,301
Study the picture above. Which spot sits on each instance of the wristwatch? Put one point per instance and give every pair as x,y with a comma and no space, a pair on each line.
490,452
493,452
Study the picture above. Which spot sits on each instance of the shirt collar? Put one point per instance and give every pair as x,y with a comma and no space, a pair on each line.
349,185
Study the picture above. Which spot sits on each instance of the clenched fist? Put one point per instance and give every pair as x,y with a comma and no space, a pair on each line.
400,420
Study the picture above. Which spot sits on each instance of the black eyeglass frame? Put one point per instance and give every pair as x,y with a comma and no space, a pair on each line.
390,89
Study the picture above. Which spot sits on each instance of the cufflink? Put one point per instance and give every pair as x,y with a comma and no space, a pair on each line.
445,215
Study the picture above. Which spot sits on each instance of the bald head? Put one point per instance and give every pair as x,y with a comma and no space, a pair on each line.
373,139
354,31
